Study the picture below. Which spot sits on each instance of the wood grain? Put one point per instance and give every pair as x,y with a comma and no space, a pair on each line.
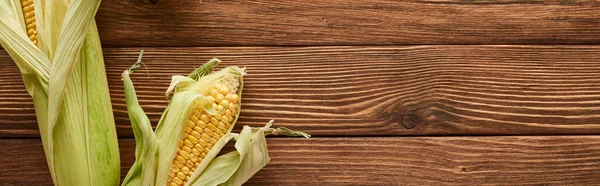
339,22
556,160
367,91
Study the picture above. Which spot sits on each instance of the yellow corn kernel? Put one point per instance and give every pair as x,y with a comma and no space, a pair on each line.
217,86
221,125
192,139
189,164
202,124
211,99
206,138
178,180
186,149
195,158
219,133
219,108
213,92
196,134
174,168
188,143
185,170
196,153
224,103
172,174
229,97
224,90
209,132
181,175
234,98
184,154
178,164
192,124
205,118
200,147
202,143
197,128
181,159
214,121
211,127
219,98
232,107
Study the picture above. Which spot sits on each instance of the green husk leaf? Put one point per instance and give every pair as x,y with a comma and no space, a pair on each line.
92,159
137,64
220,169
143,170
286,132
76,23
50,19
255,159
177,83
101,133
40,9
205,69
237,167
212,154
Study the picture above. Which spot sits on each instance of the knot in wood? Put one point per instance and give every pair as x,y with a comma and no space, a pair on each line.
410,121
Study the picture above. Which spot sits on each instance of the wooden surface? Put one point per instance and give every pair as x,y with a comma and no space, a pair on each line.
341,22
431,92
558,160
355,91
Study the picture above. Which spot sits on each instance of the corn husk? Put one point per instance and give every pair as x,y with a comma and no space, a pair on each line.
65,76
233,168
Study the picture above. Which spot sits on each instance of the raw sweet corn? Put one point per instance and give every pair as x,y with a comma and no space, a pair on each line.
59,55
203,130
192,131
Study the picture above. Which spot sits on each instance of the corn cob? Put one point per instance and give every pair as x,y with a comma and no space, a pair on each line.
203,130
29,15
66,78
192,131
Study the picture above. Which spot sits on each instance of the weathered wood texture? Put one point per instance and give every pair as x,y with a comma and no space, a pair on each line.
336,22
556,160
352,91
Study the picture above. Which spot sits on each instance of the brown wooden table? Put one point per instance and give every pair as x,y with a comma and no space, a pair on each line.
425,92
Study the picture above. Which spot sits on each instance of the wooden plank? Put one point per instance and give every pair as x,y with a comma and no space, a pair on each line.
451,90
547,160
338,22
